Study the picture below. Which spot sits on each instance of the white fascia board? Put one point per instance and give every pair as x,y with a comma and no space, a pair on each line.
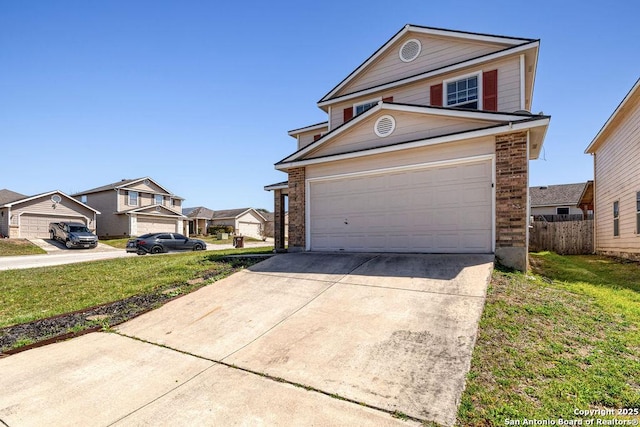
468,36
471,62
37,196
509,127
318,126
167,192
357,119
276,187
450,113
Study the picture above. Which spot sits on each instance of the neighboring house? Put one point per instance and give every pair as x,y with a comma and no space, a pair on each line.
616,158
426,148
198,220
553,200
270,221
245,221
29,216
133,207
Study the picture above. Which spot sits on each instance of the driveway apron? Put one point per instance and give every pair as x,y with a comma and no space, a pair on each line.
269,346
393,331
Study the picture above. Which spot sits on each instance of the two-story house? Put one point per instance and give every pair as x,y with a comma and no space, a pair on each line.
133,207
616,165
426,148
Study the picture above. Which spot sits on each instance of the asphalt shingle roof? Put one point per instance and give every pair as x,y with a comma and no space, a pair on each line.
553,195
8,196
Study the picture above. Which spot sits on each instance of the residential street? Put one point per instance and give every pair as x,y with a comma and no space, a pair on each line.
57,254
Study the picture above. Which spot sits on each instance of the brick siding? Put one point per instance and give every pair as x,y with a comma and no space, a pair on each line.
297,232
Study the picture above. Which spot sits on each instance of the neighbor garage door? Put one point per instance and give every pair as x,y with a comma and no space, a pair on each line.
251,229
156,225
438,209
37,226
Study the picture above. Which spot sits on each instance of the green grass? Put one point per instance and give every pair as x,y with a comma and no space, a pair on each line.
116,243
37,293
12,247
561,338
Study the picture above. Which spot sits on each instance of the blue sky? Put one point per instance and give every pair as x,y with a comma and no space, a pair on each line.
199,95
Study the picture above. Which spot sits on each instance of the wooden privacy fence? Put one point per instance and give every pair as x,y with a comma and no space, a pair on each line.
564,238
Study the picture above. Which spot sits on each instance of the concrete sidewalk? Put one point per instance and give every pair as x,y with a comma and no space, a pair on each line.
392,332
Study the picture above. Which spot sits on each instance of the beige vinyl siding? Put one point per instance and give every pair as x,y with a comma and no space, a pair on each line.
144,188
617,177
415,156
306,138
409,127
248,225
436,52
42,206
109,223
419,93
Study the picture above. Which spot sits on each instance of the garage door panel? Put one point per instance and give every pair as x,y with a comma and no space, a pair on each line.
37,226
437,209
156,225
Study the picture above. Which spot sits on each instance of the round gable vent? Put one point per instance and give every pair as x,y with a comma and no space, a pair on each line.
158,209
147,182
384,126
410,50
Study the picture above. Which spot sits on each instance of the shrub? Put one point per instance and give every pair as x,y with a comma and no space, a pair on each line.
215,229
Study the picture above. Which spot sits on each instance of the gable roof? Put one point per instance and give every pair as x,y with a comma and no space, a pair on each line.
8,196
124,183
234,213
556,195
511,42
142,209
495,122
611,122
48,193
198,212
317,126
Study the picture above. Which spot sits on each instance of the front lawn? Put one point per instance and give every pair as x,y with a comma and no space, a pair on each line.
37,293
561,339
12,247
122,243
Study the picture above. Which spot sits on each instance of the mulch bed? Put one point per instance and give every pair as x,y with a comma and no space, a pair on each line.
17,338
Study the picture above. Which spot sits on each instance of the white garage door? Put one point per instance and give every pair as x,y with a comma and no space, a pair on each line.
156,225
37,226
251,229
443,209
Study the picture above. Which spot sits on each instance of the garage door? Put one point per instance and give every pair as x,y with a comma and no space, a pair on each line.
156,225
37,226
443,209
251,229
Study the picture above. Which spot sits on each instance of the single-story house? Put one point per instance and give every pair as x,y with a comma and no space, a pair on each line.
133,207
550,201
245,221
24,216
198,220
426,148
616,158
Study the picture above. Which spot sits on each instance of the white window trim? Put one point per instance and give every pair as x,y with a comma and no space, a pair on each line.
460,77
129,203
369,101
155,199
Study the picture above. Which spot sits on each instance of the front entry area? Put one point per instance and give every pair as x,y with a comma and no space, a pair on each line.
431,208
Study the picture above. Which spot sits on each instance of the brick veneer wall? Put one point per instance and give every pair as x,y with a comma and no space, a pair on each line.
512,183
297,237
278,220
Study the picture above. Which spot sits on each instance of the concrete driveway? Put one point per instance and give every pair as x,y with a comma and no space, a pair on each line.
269,346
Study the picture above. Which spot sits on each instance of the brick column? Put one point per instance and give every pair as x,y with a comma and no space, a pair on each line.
297,236
512,192
278,220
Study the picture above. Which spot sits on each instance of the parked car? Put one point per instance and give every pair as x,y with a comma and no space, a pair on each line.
73,234
155,243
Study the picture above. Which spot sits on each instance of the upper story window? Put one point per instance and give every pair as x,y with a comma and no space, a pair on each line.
364,106
83,199
463,92
562,211
158,199
133,198
616,218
